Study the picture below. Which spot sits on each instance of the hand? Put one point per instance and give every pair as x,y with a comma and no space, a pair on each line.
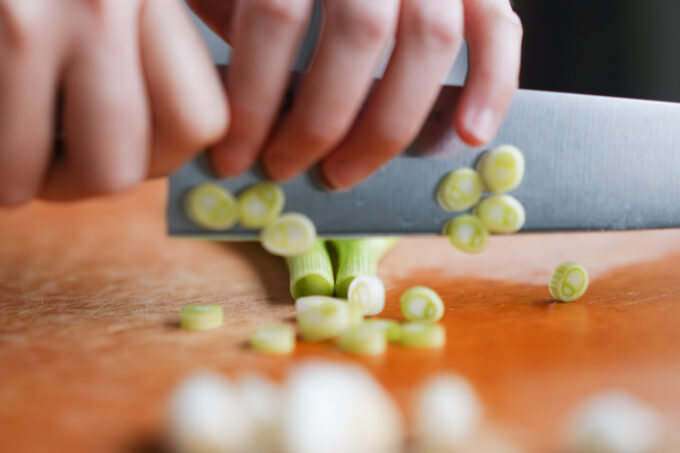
140,95
323,123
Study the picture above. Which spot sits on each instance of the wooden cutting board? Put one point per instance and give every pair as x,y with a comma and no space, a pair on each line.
90,348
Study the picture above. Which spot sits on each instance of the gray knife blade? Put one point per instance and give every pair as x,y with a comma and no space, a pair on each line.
592,163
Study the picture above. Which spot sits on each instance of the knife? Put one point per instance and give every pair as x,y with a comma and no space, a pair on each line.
592,163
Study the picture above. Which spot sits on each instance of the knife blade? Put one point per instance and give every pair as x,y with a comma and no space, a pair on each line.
592,163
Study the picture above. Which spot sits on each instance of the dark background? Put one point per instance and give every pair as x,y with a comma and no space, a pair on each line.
617,48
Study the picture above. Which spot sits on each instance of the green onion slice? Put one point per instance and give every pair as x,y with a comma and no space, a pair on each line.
364,340
501,169
367,292
421,304
389,327
260,204
274,339
467,233
201,317
328,320
289,235
420,335
501,214
211,206
357,257
460,190
569,281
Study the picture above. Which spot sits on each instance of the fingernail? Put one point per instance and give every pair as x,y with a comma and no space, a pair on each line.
483,125
343,175
231,159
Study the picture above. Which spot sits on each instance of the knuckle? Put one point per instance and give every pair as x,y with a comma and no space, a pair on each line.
320,134
114,181
200,130
366,22
288,12
20,21
512,22
437,26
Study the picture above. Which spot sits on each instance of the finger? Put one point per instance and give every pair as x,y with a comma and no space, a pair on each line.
494,34
216,14
355,36
29,66
266,37
428,39
189,107
106,118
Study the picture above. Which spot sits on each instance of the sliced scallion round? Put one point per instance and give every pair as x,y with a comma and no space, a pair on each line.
390,328
362,339
326,321
460,190
501,169
201,317
289,235
211,206
274,339
467,233
569,281
368,292
501,214
260,204
305,303
421,335
421,304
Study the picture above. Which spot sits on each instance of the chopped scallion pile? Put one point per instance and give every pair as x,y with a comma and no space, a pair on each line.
501,214
467,233
421,304
201,317
260,204
311,273
211,206
569,282
501,169
460,190
289,235
274,339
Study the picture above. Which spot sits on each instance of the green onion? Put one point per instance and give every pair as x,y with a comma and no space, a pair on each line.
460,190
368,293
362,339
420,335
305,303
501,214
421,304
501,169
289,235
569,281
390,328
201,317
260,204
357,257
311,274
328,320
211,206
467,233
274,339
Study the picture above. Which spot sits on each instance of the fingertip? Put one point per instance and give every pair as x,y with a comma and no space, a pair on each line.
230,159
477,126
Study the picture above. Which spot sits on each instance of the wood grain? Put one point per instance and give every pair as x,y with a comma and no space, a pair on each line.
89,346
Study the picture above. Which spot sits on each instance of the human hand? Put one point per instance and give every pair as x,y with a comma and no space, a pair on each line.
323,124
140,95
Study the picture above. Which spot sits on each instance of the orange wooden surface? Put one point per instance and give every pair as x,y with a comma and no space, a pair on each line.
89,296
